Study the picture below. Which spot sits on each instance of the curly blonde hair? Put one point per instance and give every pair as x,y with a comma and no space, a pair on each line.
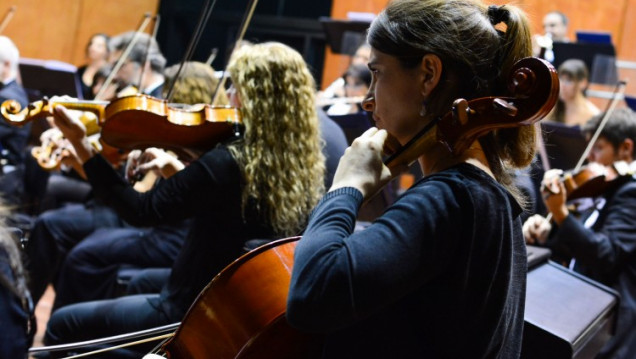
280,152
196,84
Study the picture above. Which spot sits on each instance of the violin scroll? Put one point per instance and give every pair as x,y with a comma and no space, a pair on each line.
14,114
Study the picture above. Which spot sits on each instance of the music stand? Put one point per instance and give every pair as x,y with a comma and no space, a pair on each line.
49,78
564,144
583,51
630,101
344,36
593,37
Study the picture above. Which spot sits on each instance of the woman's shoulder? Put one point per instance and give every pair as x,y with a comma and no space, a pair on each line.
463,183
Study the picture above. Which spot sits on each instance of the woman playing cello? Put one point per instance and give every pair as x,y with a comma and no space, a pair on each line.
441,274
260,186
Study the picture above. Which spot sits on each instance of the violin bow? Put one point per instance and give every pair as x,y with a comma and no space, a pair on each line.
7,17
147,54
618,94
123,56
241,33
169,329
194,40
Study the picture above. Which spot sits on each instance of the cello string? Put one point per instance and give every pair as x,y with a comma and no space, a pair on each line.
194,40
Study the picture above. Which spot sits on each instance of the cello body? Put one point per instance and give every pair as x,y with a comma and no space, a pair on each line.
241,312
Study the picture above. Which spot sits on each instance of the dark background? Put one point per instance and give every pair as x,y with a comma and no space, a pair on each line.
292,22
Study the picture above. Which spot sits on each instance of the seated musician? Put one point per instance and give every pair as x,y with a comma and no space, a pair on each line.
262,185
441,274
143,67
13,140
16,308
89,271
56,232
602,243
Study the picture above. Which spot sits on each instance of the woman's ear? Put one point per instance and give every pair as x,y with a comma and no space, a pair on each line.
431,67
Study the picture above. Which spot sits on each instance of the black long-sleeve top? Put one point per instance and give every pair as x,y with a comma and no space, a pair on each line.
209,191
441,274
606,252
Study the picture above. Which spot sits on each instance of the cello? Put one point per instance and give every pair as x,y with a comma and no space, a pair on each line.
229,321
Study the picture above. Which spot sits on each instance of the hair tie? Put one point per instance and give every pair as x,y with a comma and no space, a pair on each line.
498,14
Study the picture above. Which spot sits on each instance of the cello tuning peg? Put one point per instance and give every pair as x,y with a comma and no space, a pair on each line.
504,106
460,111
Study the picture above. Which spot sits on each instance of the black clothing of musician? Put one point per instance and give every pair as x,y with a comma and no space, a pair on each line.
456,288
216,238
604,247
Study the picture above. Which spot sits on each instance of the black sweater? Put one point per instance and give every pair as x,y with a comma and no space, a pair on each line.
441,274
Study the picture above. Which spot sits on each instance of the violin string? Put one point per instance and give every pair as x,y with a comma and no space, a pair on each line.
147,54
194,40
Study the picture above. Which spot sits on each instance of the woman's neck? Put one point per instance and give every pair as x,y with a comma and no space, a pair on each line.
578,111
438,158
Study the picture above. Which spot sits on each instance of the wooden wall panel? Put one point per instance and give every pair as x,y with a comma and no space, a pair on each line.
60,29
615,16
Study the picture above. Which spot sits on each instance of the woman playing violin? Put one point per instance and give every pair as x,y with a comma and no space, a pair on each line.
603,241
260,186
442,272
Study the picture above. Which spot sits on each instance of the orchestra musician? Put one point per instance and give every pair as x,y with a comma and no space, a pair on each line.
143,67
13,140
602,242
94,226
90,269
442,272
555,26
573,107
262,185
97,55
16,310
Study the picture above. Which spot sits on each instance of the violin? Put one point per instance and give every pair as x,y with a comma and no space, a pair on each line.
533,89
140,121
595,179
